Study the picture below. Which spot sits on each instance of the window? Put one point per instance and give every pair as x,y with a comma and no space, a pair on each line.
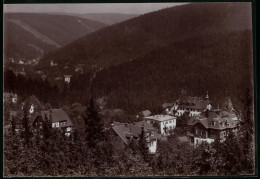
170,121
57,124
166,122
53,125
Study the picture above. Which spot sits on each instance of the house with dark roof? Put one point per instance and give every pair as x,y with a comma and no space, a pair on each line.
211,125
129,132
58,118
193,105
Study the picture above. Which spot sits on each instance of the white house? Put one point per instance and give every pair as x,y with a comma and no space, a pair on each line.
14,98
165,122
194,105
31,109
67,78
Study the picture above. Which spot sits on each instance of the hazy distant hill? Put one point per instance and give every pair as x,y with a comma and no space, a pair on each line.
136,37
106,18
33,34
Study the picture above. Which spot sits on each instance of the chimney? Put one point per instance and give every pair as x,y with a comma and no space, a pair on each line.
126,124
112,125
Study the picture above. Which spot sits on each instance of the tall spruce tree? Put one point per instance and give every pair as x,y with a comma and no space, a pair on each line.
94,125
13,125
144,149
26,133
247,133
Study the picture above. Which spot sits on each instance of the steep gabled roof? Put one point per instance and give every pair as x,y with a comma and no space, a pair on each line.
214,120
57,115
127,131
192,102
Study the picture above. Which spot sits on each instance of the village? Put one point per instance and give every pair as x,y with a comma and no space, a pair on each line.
129,89
202,121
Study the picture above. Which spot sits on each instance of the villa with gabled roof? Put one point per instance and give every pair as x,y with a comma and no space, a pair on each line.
129,132
193,105
211,125
59,119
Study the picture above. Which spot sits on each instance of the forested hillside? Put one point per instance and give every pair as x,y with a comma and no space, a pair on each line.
28,35
220,64
136,37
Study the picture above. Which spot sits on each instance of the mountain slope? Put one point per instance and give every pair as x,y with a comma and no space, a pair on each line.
34,34
136,37
106,18
220,64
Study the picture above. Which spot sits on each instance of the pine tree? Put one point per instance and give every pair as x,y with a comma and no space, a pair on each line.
46,129
144,149
13,125
247,134
26,132
94,126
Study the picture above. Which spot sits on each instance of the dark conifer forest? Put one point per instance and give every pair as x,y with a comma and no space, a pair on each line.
220,64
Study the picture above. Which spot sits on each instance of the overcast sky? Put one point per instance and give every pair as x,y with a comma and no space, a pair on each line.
126,8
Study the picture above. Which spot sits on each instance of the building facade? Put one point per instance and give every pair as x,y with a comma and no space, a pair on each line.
211,125
165,123
67,78
193,105
129,132
59,119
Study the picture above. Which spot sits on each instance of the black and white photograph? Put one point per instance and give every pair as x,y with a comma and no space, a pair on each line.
128,89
